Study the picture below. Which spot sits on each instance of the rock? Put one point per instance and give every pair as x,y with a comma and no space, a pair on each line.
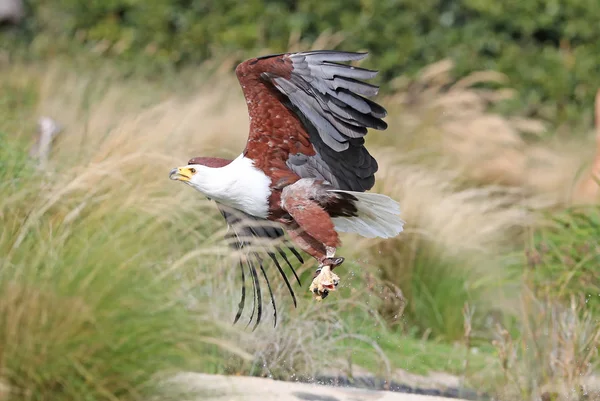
399,380
47,131
240,388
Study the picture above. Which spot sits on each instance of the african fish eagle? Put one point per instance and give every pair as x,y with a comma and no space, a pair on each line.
305,168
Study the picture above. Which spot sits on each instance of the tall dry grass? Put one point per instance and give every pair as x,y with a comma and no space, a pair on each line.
90,305
439,118
465,178
456,248
554,355
499,173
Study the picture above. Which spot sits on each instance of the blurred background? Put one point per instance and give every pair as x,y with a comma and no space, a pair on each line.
111,276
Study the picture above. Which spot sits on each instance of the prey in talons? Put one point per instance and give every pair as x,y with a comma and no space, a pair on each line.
325,280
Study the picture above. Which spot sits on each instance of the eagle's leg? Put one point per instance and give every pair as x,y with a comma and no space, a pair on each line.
324,280
312,229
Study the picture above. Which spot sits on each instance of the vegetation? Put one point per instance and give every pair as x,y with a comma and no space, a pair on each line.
547,48
564,257
494,279
82,312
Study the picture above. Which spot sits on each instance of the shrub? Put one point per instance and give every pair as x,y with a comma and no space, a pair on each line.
546,48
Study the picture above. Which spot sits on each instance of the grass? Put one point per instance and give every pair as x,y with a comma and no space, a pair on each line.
102,231
88,310
450,123
460,235
413,354
557,348
554,354
564,256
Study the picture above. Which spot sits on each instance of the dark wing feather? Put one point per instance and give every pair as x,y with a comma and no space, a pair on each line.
331,101
249,231
339,109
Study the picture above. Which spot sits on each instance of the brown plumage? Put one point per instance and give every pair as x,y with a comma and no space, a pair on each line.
304,167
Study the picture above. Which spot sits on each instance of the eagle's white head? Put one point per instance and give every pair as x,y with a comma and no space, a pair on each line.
237,184
197,176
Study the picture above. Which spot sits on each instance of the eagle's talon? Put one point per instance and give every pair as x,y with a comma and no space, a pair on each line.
333,262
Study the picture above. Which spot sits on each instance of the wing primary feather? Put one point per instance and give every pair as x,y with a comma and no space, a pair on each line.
331,70
256,290
258,293
376,109
287,282
357,103
284,256
330,55
243,299
274,257
262,269
354,85
297,255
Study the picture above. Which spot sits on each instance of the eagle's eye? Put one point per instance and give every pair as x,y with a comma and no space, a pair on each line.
193,170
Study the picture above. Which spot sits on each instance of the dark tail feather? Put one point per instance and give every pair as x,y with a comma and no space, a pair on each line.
243,300
287,282
262,269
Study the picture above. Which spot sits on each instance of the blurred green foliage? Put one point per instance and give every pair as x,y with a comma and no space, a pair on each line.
548,48
564,259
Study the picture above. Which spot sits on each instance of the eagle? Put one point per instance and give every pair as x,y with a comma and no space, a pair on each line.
304,170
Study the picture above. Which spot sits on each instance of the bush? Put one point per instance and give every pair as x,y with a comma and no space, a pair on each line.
547,48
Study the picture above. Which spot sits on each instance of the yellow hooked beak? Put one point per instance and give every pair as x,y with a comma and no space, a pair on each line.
182,173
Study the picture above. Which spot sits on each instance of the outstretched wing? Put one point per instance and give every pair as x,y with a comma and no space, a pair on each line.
309,115
257,235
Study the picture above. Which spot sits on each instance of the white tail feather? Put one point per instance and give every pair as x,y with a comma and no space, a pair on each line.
378,216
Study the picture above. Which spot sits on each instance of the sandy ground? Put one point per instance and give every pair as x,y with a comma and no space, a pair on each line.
239,388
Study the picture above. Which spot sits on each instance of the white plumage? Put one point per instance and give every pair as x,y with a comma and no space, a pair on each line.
239,185
378,216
